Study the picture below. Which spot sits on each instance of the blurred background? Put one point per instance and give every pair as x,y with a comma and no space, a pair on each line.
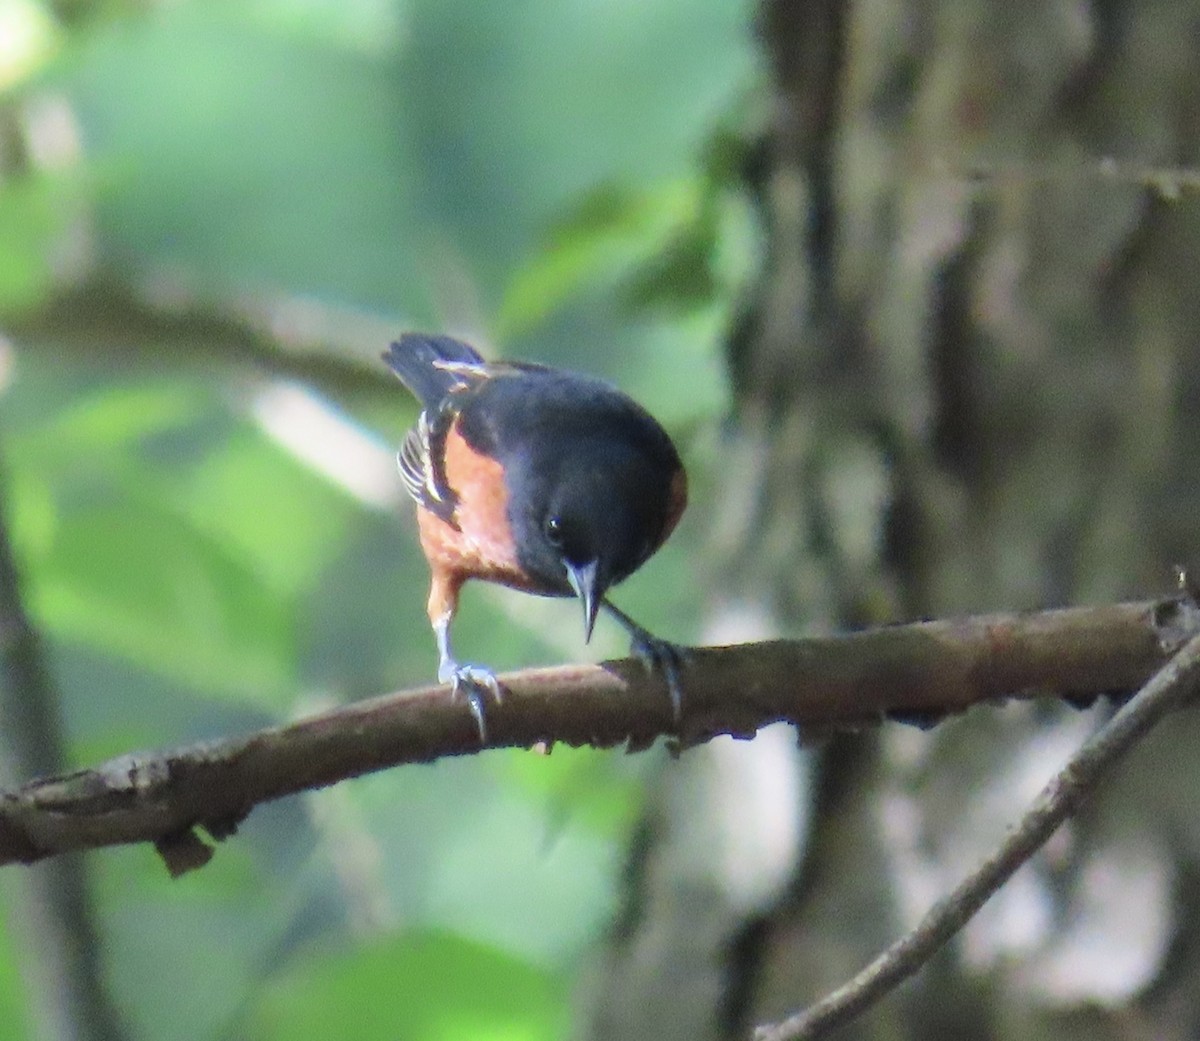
910,283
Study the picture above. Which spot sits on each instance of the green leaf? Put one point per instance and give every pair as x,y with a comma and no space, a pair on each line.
454,835
185,955
14,1013
586,785
31,512
34,211
416,987
119,417
609,232
136,579
84,426
284,521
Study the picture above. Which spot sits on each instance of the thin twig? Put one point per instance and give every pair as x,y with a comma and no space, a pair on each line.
1174,684
918,672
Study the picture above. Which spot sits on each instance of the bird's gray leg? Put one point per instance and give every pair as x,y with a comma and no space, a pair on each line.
472,682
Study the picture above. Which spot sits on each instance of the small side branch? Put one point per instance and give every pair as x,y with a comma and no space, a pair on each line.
1176,683
918,672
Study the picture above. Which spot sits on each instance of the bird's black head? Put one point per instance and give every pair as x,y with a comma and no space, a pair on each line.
594,483
588,527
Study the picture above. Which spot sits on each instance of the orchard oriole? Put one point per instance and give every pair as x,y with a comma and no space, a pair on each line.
537,478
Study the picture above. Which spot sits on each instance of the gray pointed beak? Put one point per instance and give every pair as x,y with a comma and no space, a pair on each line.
583,581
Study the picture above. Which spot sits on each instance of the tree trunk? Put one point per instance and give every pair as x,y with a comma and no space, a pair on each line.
965,382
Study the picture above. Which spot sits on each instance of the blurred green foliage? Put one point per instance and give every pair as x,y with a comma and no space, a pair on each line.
34,210
438,986
13,1010
532,169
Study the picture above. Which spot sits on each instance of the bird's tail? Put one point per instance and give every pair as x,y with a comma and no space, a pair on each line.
430,365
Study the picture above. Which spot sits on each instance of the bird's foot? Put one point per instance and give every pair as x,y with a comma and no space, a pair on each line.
472,683
664,657
657,655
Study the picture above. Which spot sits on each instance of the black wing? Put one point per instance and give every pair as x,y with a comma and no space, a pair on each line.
421,464
443,374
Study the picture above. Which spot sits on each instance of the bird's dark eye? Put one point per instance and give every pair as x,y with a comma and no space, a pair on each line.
554,531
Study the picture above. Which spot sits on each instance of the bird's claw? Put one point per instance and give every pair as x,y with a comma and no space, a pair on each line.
472,683
665,657
657,655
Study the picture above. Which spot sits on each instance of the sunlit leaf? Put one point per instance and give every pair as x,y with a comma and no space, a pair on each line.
28,36
135,579
608,233
14,1013
418,987
34,211
452,836
113,419
30,512
579,785
284,521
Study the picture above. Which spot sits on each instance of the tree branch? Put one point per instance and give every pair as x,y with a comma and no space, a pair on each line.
334,350
1169,689
918,672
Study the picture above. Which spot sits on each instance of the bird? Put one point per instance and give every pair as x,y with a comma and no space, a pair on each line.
537,478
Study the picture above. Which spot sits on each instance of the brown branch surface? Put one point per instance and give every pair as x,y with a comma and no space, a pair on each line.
921,671
1170,687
